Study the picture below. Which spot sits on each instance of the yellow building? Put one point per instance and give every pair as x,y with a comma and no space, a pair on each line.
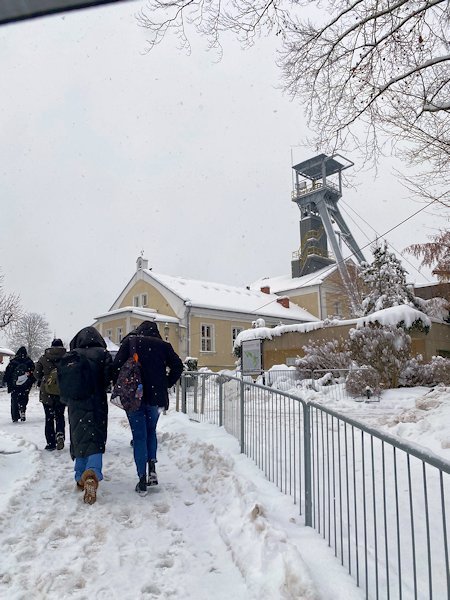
200,319
322,293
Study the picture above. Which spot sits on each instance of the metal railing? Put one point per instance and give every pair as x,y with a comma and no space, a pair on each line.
378,501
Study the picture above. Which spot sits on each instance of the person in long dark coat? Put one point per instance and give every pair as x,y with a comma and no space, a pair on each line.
55,424
161,367
19,389
88,417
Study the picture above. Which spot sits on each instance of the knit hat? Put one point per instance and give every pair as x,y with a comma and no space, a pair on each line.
57,342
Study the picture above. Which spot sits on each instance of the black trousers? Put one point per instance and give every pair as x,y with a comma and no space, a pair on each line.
54,421
19,401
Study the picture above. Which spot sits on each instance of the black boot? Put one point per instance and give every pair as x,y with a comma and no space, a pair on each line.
141,486
152,477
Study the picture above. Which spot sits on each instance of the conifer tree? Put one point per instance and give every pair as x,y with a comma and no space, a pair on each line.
385,280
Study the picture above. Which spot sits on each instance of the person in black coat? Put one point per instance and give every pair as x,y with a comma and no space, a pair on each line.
19,379
88,417
55,424
161,367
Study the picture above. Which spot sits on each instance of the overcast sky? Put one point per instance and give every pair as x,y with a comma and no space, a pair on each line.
106,151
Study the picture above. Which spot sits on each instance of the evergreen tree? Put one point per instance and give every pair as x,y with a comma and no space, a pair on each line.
385,281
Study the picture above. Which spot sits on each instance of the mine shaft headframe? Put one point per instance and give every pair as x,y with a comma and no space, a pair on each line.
318,169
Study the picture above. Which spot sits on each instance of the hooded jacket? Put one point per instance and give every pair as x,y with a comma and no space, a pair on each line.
88,418
44,365
21,357
161,367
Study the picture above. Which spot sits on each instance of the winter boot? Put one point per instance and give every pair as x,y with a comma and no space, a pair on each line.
141,486
152,477
59,441
50,447
22,415
90,484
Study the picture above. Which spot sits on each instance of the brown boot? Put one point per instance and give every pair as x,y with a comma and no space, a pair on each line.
90,485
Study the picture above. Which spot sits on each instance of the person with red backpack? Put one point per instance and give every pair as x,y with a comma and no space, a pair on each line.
160,367
19,379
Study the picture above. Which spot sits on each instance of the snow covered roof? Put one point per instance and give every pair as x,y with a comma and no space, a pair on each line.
7,352
220,296
284,283
395,315
110,345
387,316
149,313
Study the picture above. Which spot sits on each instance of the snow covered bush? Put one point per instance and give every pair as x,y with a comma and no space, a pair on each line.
386,349
362,379
436,372
321,355
385,279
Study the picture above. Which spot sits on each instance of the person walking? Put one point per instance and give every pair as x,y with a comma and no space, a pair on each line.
19,379
45,373
88,370
161,367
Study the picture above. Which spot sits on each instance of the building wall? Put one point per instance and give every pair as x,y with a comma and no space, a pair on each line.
309,301
290,345
154,298
222,355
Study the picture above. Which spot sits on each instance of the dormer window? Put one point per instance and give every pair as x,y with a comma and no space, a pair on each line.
144,299
136,301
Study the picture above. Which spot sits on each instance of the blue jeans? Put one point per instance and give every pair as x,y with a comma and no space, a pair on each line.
143,427
94,462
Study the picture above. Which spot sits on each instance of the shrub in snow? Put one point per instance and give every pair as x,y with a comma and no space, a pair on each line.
322,355
436,372
363,381
386,349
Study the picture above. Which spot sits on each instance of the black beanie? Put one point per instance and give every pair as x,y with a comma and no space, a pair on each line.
57,342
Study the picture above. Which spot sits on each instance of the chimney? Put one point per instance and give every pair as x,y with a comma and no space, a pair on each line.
265,289
284,301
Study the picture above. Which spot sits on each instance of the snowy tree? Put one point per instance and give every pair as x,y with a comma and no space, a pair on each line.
435,254
385,281
10,309
368,72
386,349
33,332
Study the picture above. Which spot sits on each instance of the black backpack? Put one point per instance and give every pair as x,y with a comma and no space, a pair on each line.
75,378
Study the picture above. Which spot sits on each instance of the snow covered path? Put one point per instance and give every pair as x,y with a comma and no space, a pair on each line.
213,528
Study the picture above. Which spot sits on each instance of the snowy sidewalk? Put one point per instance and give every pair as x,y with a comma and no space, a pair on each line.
213,528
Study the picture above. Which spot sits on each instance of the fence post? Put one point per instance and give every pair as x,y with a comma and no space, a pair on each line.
195,393
220,403
183,393
242,416
202,403
307,459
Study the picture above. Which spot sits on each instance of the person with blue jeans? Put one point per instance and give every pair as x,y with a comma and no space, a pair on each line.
88,415
161,367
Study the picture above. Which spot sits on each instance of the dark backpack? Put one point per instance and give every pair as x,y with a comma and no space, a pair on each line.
127,393
51,385
75,378
20,376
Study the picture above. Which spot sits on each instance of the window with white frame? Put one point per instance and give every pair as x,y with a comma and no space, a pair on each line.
135,300
119,334
235,331
144,299
337,309
207,338
108,333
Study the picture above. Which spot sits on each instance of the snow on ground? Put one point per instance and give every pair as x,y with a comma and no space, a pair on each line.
214,527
